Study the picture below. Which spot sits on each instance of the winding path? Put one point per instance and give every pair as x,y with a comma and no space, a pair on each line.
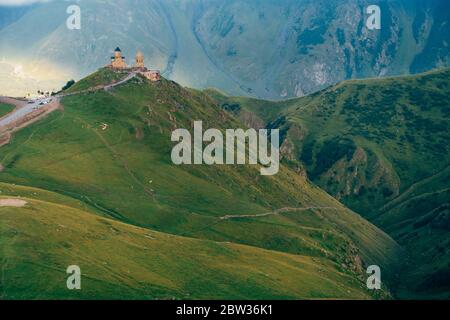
275,212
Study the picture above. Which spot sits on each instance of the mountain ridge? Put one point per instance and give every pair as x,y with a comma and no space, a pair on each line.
307,45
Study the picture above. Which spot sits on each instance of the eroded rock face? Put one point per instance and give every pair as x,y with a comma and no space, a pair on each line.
251,120
363,177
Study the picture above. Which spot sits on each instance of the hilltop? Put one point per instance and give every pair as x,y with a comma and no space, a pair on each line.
381,147
105,160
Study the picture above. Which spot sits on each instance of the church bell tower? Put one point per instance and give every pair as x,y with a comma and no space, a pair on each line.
139,60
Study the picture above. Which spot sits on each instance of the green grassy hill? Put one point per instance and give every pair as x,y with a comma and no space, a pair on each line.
102,77
107,156
381,147
120,261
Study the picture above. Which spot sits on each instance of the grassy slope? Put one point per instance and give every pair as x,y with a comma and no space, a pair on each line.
125,173
39,241
381,146
5,109
102,77
420,220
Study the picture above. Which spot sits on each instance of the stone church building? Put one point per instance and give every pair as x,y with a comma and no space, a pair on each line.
118,62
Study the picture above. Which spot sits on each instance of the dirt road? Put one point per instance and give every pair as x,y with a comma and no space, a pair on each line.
28,112
275,212
24,115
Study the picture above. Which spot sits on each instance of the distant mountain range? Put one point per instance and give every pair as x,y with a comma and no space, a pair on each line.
262,48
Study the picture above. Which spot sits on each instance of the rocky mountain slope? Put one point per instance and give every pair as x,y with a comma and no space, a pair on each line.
268,49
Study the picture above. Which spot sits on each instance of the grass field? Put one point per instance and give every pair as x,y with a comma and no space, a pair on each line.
102,77
119,261
106,158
